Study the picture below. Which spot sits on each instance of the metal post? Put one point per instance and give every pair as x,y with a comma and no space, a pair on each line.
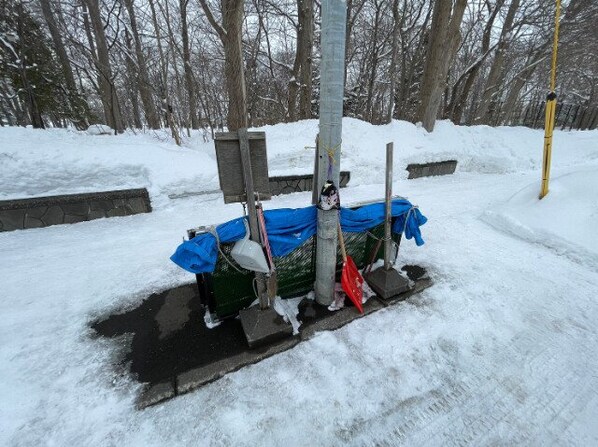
386,281
388,210
550,108
332,71
251,210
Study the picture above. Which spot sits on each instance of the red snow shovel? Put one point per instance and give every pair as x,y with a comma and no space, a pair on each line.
351,279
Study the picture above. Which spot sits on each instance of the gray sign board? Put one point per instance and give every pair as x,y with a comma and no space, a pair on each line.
230,168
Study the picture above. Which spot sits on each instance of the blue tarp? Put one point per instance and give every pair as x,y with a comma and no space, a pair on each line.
289,228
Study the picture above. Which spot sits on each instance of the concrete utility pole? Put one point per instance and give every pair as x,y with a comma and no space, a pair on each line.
334,14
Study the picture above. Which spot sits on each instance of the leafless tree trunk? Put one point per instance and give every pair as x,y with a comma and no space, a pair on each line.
166,106
230,34
353,10
522,77
145,89
412,58
8,109
493,83
173,51
12,102
108,92
306,22
78,105
189,81
442,46
300,82
396,26
133,81
31,104
458,99
292,91
373,63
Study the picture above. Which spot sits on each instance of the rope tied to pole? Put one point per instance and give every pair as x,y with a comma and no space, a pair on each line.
331,152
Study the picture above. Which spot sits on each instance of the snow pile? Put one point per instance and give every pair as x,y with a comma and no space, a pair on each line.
100,129
564,221
58,161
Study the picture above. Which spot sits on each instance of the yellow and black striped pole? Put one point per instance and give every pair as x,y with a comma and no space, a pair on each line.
550,108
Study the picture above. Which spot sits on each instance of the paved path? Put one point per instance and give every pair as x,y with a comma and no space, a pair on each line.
502,350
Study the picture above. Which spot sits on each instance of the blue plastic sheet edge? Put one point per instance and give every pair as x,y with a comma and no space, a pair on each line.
288,228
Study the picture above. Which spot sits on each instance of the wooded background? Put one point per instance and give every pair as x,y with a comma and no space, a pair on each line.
189,64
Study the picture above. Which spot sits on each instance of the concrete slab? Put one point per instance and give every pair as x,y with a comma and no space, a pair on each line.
387,283
316,318
197,377
156,393
420,285
174,352
263,326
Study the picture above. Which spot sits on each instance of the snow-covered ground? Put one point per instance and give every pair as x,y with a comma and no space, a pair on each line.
502,350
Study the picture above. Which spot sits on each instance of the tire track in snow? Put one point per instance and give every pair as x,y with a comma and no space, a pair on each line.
474,410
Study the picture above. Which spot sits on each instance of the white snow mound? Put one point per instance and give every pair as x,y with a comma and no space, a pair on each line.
565,220
100,129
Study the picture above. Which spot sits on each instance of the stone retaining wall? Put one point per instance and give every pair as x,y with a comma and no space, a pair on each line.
429,169
54,210
287,184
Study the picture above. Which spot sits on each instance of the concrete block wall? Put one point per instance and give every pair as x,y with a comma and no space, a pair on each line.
287,184
55,210
417,170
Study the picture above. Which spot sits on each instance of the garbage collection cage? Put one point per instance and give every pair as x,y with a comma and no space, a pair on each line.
228,290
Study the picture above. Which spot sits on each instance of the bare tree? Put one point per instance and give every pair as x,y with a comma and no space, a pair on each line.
78,105
127,62
166,104
108,92
415,17
189,81
461,89
497,69
301,74
132,82
145,90
230,33
394,59
22,62
444,41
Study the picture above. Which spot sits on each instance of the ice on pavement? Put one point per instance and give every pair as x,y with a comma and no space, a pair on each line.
503,349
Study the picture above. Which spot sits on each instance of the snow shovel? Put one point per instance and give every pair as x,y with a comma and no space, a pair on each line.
351,279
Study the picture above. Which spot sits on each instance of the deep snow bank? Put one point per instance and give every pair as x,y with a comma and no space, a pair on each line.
58,161
565,220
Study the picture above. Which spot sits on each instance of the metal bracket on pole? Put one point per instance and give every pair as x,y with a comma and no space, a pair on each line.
315,187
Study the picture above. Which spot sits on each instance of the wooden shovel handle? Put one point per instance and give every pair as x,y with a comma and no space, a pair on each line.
342,241
368,269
